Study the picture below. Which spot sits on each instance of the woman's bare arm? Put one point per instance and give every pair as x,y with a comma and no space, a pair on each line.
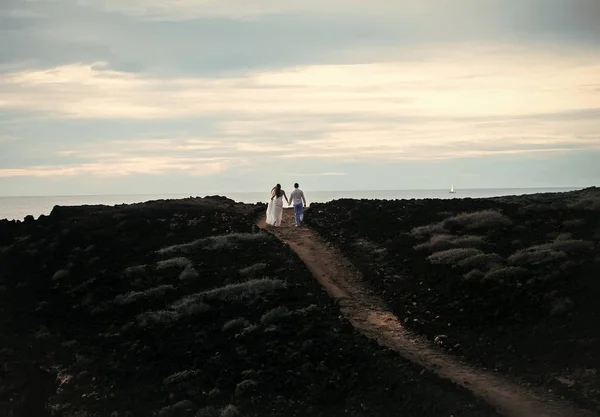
286,199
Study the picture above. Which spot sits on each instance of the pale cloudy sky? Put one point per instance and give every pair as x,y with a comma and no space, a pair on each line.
198,96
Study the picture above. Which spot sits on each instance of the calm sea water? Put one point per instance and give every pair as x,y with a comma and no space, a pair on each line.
19,207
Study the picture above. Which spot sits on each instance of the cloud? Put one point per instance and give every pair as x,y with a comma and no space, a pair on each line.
478,81
240,9
116,165
470,102
320,174
438,15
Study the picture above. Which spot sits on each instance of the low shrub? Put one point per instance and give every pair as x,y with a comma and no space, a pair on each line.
272,315
60,275
452,256
180,377
134,270
179,262
253,269
228,241
468,241
245,388
587,203
564,237
536,257
550,252
482,261
572,246
150,318
442,242
235,325
182,408
437,243
505,274
188,274
233,292
485,219
134,296
209,411
474,275
245,290
423,232
230,411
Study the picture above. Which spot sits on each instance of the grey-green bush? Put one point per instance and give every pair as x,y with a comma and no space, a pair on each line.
482,261
134,296
485,219
452,256
505,274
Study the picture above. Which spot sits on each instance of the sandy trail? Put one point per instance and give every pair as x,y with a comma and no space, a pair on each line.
369,314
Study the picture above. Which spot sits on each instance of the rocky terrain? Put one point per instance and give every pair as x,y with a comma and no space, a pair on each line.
184,308
509,283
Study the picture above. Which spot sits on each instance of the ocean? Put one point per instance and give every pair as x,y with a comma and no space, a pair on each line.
16,208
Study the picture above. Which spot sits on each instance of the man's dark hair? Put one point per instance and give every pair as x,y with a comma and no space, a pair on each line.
296,185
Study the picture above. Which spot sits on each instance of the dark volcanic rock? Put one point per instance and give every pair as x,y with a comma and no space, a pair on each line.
105,297
513,287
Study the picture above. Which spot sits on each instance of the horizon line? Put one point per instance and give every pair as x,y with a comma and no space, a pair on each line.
224,194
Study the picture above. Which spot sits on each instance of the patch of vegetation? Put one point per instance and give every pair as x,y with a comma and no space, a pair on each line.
209,411
564,237
134,270
422,232
134,296
479,220
437,243
272,315
179,262
550,252
452,256
571,246
60,275
253,269
233,292
180,377
245,388
188,273
180,409
444,241
587,203
228,241
481,261
230,411
191,303
474,275
150,318
245,290
468,241
235,325
536,257
506,273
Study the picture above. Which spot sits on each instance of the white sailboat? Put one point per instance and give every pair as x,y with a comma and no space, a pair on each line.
452,189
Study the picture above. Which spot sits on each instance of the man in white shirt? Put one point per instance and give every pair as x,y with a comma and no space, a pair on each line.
297,198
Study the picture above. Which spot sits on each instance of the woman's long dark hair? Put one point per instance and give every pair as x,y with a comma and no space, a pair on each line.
276,191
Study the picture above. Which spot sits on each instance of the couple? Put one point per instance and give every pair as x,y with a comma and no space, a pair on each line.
275,207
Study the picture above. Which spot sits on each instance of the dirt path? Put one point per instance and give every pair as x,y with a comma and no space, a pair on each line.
369,314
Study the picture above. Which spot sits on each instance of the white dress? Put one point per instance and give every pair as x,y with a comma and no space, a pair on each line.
275,211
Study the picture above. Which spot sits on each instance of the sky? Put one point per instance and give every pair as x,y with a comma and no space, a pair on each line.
217,96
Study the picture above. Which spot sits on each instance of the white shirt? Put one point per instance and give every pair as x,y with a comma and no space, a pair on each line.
297,196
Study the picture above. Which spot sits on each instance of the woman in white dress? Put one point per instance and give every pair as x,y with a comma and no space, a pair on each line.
275,206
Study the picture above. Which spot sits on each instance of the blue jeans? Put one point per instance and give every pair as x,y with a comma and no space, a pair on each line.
299,213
